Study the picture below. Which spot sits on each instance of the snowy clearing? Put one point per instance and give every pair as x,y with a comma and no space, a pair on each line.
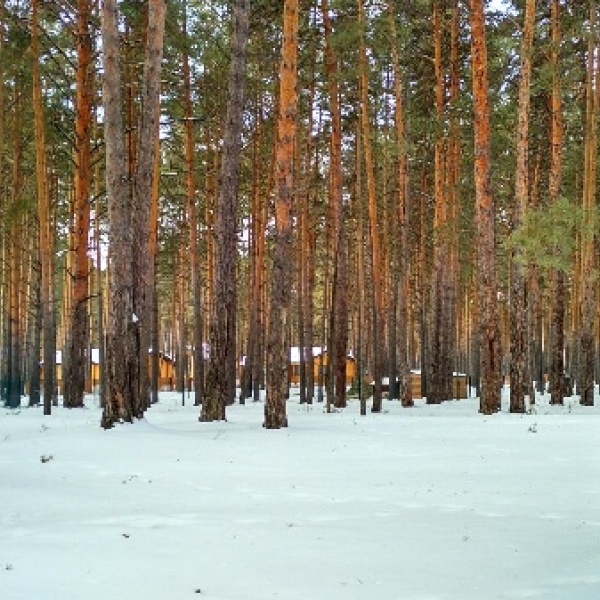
430,503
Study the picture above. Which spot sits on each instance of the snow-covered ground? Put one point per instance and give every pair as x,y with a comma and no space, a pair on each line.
430,503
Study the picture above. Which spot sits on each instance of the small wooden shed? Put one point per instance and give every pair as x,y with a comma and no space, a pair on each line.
459,385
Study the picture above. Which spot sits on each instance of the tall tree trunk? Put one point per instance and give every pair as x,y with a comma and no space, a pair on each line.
148,131
153,309
360,263
122,345
251,372
439,384
378,325
44,219
180,302
36,316
128,324
220,390
585,383
190,180
78,360
484,215
275,409
453,175
4,278
402,210
557,334
100,291
304,264
339,305
518,308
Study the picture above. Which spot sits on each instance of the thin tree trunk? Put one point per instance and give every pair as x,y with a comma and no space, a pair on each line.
585,383
453,174
338,333
557,334
44,219
360,259
378,325
78,360
402,210
36,312
154,374
438,384
190,180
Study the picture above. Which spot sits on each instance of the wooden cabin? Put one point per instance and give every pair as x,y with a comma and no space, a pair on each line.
294,366
322,361
459,385
166,371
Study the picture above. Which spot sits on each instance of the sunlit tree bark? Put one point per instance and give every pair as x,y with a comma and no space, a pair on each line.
279,310
484,211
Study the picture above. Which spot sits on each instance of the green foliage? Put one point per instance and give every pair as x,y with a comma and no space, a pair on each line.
548,234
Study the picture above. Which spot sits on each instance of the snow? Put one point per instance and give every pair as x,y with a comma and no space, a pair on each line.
430,503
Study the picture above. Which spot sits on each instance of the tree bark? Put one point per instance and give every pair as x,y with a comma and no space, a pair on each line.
485,219
44,220
557,334
338,333
122,344
518,305
128,328
401,283
78,360
275,408
378,324
220,390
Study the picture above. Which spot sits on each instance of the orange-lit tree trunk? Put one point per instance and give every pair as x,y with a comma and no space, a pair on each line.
585,380
3,237
518,308
557,335
220,389
277,351
75,373
378,328
484,215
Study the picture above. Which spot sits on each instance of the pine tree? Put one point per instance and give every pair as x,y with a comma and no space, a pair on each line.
277,348
486,251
